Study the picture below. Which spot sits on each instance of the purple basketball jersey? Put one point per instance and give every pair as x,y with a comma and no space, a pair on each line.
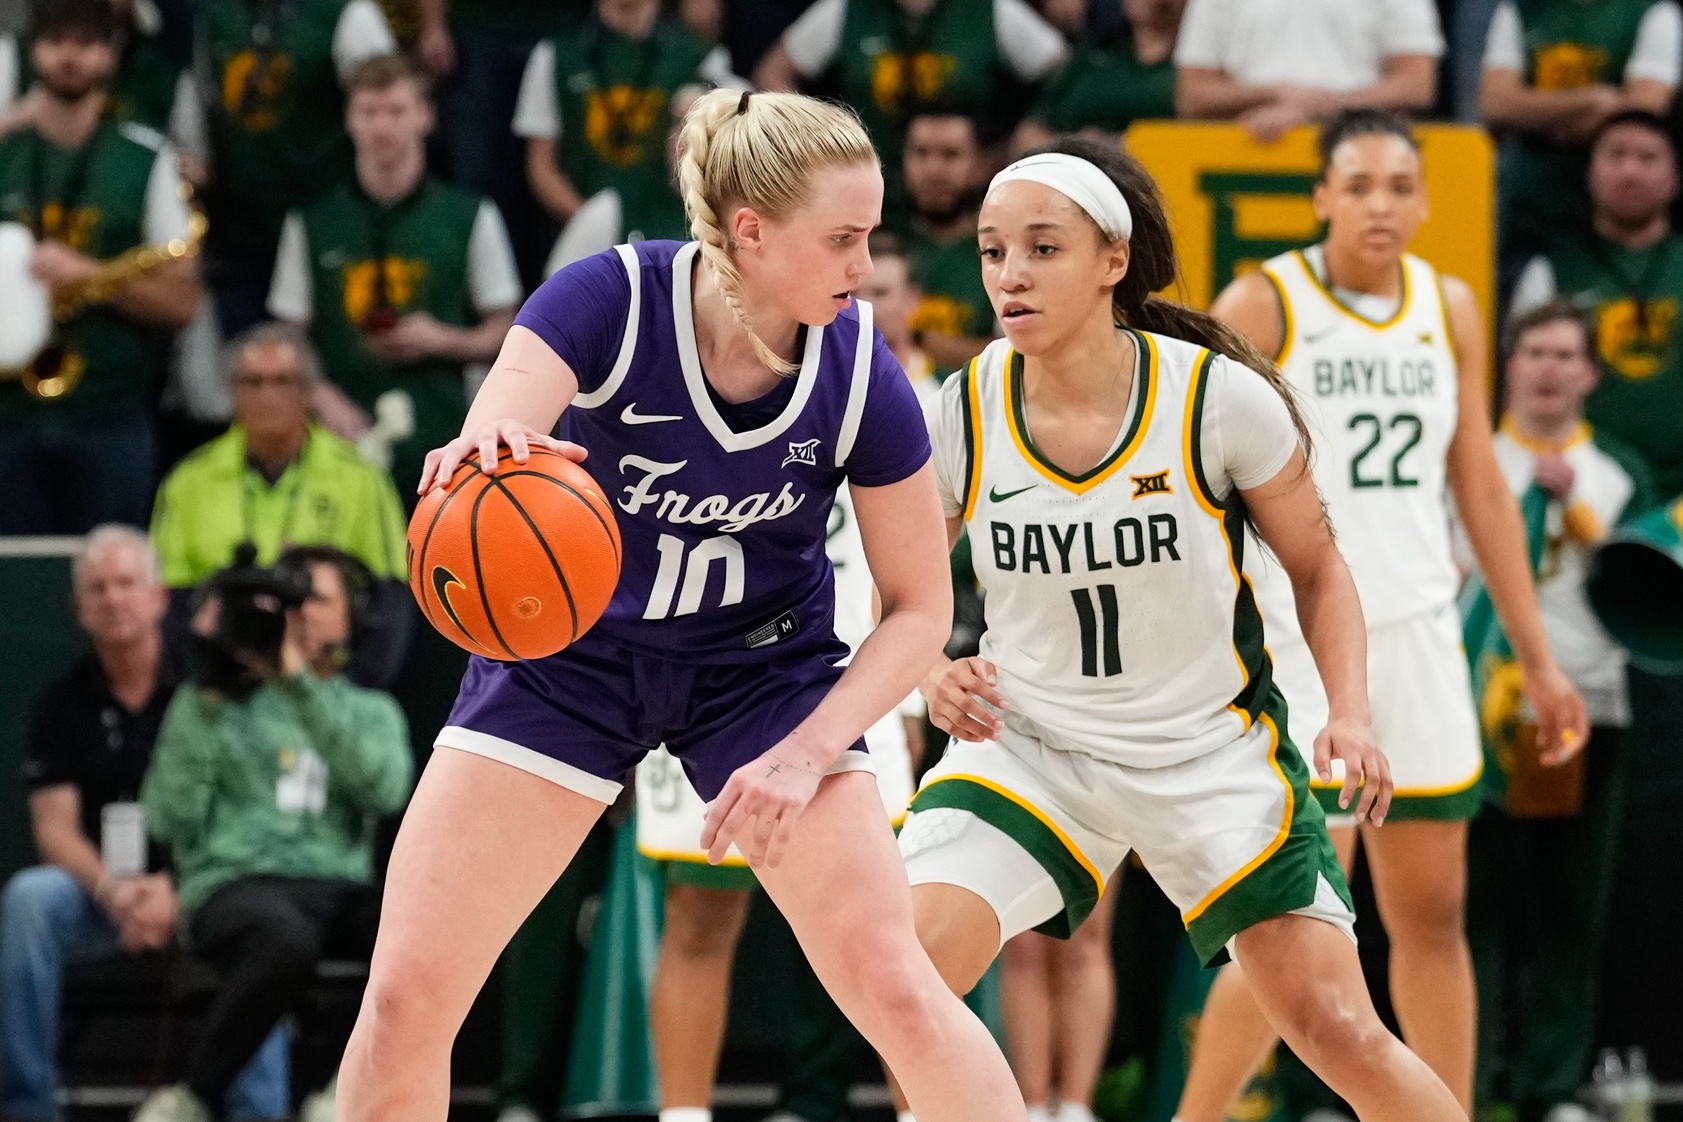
724,531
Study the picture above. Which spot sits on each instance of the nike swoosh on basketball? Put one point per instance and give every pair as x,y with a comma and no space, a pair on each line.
631,417
995,497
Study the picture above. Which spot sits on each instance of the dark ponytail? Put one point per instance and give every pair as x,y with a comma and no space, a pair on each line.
1152,267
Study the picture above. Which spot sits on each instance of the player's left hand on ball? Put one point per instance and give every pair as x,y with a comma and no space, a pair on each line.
1366,768
1562,721
759,807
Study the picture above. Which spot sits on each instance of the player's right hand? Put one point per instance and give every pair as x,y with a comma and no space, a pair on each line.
441,463
1366,767
960,694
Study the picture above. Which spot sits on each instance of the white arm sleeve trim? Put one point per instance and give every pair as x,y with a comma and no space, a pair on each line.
166,216
716,70
1032,47
628,345
187,128
10,72
1658,53
1535,287
537,113
813,40
1412,28
1247,431
944,414
361,33
291,289
1203,34
857,392
1504,43
493,279
596,227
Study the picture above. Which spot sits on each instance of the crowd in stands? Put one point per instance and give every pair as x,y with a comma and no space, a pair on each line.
290,235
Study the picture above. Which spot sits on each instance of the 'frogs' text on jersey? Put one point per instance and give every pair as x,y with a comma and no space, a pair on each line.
1380,399
724,531
1116,612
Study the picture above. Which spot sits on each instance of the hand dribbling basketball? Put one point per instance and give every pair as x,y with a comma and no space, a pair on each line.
512,555
520,439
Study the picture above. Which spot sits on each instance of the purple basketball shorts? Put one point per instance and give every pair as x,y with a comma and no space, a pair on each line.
585,717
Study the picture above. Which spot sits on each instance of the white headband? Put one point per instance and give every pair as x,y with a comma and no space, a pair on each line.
1082,182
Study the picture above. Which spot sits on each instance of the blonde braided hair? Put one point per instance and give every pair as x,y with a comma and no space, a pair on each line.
757,150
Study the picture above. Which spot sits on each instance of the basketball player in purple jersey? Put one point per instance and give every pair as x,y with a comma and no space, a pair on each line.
723,390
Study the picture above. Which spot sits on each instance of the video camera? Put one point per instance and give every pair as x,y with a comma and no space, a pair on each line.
243,650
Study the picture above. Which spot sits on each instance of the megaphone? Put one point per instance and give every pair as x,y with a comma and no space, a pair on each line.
1635,588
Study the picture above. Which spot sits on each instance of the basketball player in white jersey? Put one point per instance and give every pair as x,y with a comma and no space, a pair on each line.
1388,358
707,905
1106,457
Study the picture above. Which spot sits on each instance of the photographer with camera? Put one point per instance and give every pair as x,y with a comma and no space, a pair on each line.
269,772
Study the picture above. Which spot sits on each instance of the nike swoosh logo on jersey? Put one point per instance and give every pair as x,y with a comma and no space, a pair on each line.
995,497
1319,335
631,417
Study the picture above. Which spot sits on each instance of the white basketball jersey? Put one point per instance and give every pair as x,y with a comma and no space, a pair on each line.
855,615
1116,611
1381,402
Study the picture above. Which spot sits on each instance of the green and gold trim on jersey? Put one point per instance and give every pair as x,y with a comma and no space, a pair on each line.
1286,874
1248,646
972,438
1079,881
1288,318
1395,318
1145,399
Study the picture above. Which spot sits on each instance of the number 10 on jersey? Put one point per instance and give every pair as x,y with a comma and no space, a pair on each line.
1099,630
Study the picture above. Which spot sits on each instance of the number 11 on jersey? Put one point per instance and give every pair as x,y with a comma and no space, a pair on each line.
1098,629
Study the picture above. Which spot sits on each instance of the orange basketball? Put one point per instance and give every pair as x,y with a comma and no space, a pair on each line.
516,564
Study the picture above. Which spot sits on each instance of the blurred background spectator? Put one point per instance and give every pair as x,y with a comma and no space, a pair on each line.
1626,272
400,278
895,297
609,218
595,109
884,57
276,479
271,106
88,189
1273,64
269,773
1119,73
944,179
476,50
99,891
1541,855
1554,72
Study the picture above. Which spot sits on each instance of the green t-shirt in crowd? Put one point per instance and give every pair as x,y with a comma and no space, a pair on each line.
949,271
890,60
286,782
1104,85
276,112
1569,44
407,256
615,93
94,200
216,499
1633,297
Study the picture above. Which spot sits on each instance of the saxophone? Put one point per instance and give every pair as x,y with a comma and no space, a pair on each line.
57,369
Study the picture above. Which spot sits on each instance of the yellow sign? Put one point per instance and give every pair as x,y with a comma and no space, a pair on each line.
1234,203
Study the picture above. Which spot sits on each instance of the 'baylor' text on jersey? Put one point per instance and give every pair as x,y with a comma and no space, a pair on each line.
1381,400
1116,610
